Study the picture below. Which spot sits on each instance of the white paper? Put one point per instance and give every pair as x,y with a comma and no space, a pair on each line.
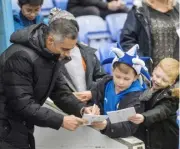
121,115
178,31
94,118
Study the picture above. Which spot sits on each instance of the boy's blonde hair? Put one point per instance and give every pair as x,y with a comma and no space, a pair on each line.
171,67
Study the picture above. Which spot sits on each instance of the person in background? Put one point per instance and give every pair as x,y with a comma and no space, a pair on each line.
84,69
29,74
120,91
96,7
158,125
152,24
28,14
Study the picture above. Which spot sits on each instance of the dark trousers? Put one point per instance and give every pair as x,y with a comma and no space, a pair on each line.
15,135
93,10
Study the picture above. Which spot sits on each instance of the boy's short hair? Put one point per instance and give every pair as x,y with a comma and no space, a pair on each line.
30,2
170,66
124,68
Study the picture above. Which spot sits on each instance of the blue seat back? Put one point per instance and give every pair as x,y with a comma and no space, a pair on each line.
129,3
46,7
103,53
91,27
115,23
15,6
62,4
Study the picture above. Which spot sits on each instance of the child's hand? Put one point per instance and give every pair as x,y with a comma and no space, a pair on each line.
99,125
92,110
137,119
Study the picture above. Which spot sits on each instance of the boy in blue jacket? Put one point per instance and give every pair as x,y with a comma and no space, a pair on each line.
120,91
29,13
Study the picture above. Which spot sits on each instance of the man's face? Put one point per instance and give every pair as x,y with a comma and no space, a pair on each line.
123,81
62,47
160,79
30,11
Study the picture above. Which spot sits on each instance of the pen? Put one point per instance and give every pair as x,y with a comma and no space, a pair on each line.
94,109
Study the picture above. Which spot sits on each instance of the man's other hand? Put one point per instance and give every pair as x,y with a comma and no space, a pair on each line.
71,122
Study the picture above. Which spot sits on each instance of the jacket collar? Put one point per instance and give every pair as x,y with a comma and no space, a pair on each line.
161,95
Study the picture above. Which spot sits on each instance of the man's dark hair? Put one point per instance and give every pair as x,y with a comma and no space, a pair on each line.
63,28
30,2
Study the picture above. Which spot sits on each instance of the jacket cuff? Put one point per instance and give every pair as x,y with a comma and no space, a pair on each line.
145,119
55,121
104,131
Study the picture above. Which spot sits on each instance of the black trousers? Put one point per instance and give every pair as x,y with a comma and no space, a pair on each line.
93,10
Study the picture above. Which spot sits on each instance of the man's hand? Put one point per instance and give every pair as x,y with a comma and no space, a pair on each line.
71,122
113,5
99,125
137,119
92,110
83,96
121,4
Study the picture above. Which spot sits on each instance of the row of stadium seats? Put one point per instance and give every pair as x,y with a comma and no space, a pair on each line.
101,34
94,27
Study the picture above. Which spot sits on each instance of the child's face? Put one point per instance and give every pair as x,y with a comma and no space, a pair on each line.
160,79
122,80
30,11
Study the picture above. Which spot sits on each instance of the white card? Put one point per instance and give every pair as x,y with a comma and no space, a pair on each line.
177,25
121,115
94,118
178,31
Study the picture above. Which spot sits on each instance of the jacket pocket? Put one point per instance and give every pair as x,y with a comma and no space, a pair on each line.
5,129
17,134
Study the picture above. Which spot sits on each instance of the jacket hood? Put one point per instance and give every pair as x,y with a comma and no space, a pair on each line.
33,37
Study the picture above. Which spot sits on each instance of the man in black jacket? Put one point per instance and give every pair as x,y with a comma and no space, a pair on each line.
29,73
96,7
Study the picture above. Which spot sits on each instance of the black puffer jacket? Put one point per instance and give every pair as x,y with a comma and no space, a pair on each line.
122,129
98,3
160,130
29,73
94,71
137,30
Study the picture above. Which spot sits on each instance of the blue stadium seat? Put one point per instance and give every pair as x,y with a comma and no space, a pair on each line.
103,53
129,3
62,4
93,30
15,6
115,24
46,7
